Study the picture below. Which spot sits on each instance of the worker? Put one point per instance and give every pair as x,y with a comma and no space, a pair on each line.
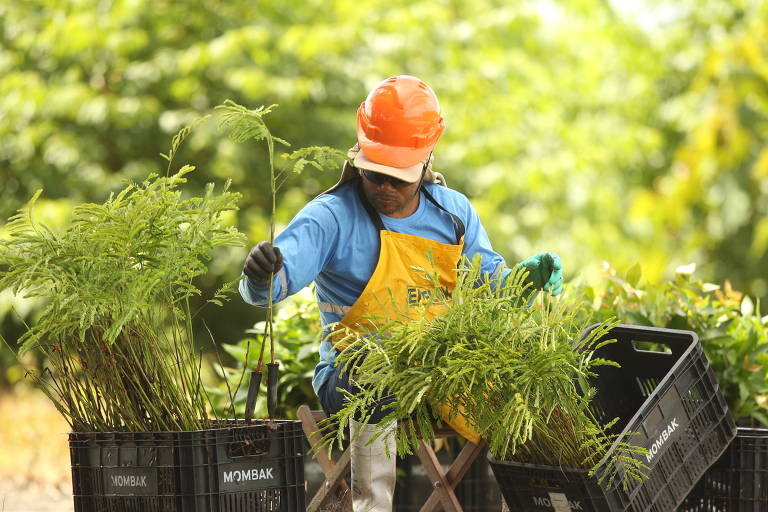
359,242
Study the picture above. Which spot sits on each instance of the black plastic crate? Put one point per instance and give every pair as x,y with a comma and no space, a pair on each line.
239,467
672,403
738,481
236,467
124,472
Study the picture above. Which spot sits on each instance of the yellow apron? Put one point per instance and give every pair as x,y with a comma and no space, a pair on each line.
395,285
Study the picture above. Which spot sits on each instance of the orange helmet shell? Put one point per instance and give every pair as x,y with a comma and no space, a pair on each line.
399,122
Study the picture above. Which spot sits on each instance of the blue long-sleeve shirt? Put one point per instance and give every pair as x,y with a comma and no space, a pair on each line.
333,242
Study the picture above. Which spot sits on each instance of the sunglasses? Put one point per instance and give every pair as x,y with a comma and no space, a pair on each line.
378,178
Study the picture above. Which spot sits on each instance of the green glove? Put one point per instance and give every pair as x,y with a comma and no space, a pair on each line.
545,271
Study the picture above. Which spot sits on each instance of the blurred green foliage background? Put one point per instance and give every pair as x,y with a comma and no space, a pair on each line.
602,130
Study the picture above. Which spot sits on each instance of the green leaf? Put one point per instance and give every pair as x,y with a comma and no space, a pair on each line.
634,274
237,351
638,319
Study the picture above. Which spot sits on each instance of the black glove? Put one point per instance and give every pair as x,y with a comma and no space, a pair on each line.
263,260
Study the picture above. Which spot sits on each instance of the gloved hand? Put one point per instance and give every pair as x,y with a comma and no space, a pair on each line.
262,261
545,271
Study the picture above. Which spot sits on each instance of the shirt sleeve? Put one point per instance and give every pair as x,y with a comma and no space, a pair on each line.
476,242
306,244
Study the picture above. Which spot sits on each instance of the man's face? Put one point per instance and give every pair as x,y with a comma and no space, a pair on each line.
391,197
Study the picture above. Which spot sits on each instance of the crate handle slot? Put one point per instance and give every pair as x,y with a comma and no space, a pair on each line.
658,347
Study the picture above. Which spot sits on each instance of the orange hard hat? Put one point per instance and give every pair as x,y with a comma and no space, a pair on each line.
399,122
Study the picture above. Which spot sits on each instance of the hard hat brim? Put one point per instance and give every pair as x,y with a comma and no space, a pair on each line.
410,174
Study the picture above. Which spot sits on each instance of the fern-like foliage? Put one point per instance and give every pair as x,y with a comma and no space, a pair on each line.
116,329
179,138
320,157
518,374
245,124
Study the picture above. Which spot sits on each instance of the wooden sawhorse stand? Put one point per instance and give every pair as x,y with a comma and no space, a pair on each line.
336,489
